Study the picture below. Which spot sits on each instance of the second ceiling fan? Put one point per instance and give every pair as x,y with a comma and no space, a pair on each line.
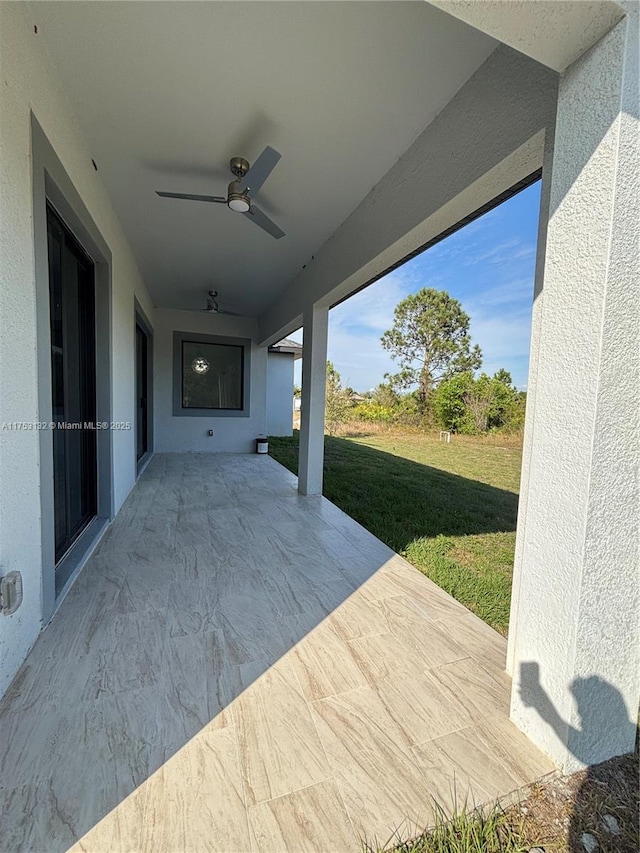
240,192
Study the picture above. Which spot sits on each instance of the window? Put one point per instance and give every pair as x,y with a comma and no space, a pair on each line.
211,375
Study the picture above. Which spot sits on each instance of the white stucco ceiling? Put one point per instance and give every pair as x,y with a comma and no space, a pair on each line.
167,92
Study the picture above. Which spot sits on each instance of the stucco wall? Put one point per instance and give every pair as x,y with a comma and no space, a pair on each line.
576,645
187,434
280,393
29,83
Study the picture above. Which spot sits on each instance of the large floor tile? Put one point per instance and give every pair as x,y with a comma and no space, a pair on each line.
35,742
199,680
312,820
119,831
195,801
473,687
421,709
279,746
462,769
407,620
377,775
83,787
31,821
433,600
124,653
358,616
314,661
481,642
512,748
383,656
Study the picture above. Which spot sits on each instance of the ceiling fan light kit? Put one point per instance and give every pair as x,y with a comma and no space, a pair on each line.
237,198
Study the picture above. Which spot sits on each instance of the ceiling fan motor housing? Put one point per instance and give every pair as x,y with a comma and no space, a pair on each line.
239,167
237,199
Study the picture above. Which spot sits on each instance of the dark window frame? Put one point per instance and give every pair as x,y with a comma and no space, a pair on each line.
179,410
141,320
86,295
185,365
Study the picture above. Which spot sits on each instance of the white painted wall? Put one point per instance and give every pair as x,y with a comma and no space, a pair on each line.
185,434
280,393
28,82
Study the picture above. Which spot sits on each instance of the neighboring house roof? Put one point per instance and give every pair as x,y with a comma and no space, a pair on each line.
286,345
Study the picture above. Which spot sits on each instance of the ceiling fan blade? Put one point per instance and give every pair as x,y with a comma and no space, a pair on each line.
229,313
217,199
262,168
262,220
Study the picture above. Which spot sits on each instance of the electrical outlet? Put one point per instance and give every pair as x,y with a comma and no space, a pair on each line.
10,593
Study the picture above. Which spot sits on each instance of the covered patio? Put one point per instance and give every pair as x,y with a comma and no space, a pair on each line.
241,668
199,651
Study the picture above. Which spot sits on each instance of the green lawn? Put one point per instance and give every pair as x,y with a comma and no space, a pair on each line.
450,509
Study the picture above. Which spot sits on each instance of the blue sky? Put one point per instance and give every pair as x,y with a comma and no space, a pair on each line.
488,266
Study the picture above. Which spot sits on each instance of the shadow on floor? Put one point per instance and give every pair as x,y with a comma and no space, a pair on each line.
219,657
400,500
213,570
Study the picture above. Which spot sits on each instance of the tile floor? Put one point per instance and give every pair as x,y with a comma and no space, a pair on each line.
239,668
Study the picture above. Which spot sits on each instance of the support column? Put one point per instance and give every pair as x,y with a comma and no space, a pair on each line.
575,643
314,379
534,354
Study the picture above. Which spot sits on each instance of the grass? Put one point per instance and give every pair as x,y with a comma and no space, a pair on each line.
450,509
553,815
468,831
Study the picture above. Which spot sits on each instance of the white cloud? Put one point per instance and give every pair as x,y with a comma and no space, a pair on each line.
372,308
515,292
488,266
360,360
356,326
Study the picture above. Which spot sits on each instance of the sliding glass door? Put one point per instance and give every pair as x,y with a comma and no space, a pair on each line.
142,392
73,371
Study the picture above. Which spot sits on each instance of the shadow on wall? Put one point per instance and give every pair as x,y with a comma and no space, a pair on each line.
606,789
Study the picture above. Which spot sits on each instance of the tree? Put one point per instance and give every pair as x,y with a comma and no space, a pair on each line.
386,395
449,403
337,401
469,405
430,340
478,400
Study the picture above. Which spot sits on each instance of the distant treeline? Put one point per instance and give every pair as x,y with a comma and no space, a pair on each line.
463,404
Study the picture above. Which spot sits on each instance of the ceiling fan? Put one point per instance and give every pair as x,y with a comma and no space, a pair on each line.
214,308
238,198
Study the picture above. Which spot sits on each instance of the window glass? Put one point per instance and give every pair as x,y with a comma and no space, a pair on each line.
212,376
